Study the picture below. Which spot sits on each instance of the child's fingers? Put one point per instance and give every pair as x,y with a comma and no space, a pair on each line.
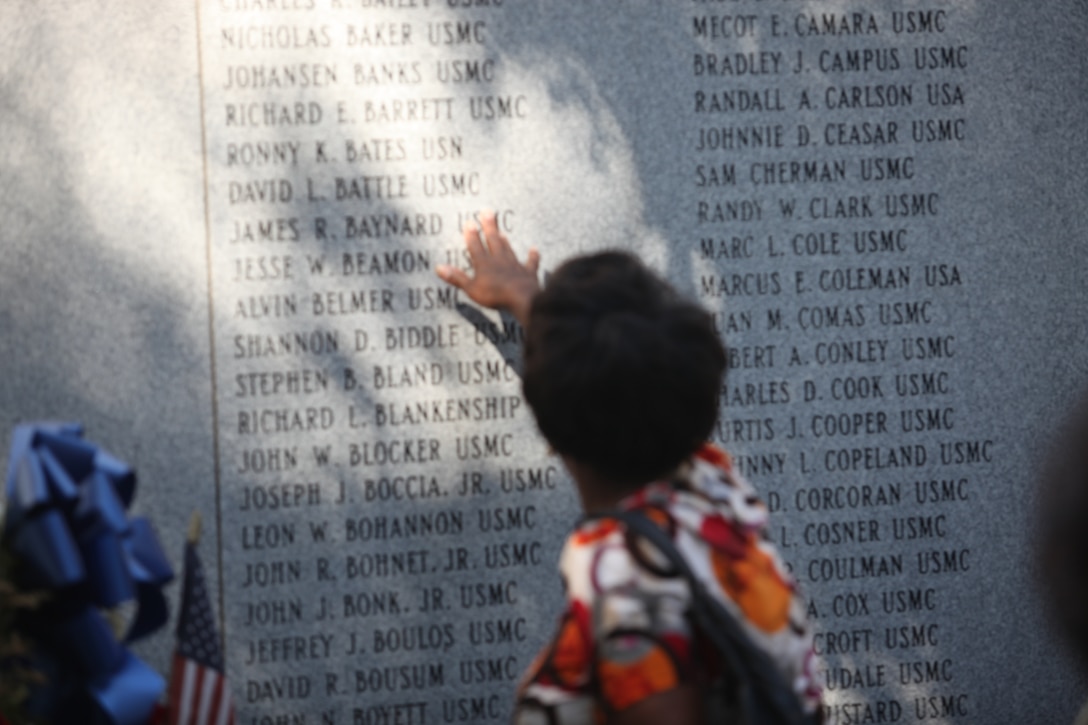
453,276
472,241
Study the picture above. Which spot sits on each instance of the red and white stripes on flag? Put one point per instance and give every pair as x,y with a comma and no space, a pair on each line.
199,693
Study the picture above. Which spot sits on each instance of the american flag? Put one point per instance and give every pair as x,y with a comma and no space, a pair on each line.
199,692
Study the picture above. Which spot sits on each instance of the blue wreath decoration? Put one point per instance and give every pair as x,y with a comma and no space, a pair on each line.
66,525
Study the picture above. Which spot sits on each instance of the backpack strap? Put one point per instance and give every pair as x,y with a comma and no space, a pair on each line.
756,677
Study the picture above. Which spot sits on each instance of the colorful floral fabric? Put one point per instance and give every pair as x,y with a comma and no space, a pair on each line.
624,636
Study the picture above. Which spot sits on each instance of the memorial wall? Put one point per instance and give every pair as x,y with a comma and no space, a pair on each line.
879,202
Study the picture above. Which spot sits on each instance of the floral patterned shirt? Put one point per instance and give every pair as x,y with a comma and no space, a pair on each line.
624,635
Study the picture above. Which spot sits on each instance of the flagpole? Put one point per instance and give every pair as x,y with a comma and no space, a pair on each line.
194,528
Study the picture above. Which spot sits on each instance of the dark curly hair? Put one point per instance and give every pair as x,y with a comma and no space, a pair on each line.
621,372
1062,530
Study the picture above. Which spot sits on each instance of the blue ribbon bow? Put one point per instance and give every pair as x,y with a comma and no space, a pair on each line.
66,523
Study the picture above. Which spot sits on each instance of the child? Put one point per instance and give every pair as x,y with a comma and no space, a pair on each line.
623,377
